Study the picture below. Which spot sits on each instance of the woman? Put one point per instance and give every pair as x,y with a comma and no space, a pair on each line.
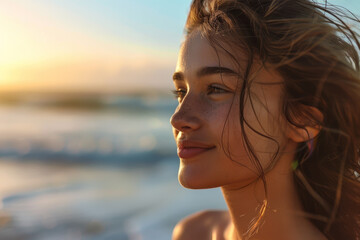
269,103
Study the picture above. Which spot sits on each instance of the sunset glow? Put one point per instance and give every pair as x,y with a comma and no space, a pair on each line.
73,46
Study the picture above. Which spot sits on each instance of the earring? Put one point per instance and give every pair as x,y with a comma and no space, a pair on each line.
310,144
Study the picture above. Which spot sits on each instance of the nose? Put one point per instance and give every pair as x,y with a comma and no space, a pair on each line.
185,117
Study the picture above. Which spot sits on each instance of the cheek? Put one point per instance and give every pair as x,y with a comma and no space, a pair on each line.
231,137
263,128
223,125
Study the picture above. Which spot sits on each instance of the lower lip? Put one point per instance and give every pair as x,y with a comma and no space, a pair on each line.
191,152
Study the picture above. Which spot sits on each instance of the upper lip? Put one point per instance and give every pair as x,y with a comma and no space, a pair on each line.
192,144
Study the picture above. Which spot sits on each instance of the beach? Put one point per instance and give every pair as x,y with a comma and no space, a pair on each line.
108,172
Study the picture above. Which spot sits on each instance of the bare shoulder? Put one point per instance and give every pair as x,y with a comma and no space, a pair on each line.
201,225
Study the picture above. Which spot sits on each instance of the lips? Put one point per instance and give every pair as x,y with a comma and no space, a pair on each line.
189,149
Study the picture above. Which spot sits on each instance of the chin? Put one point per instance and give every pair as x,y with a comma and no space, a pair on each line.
204,177
190,184
192,179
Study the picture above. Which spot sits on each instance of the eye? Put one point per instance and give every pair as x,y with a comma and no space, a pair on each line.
179,94
213,89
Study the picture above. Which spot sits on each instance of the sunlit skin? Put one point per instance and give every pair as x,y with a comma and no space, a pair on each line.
206,126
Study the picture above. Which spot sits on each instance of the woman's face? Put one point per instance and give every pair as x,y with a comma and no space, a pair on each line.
206,123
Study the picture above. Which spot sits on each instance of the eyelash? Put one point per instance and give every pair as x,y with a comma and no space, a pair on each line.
214,89
180,93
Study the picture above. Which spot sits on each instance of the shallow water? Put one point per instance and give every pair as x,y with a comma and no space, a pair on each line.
41,201
104,173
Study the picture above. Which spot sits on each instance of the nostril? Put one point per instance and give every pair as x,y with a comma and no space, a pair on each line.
185,118
184,128
178,122
173,120
177,119
184,124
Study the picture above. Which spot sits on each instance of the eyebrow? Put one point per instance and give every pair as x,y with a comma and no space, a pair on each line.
179,76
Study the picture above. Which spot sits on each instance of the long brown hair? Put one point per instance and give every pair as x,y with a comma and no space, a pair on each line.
315,49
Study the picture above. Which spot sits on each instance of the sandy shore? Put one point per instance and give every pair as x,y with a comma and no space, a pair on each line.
54,201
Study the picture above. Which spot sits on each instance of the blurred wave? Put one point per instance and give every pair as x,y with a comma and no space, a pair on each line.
124,130
91,167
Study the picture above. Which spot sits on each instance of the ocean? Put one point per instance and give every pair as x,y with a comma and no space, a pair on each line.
92,167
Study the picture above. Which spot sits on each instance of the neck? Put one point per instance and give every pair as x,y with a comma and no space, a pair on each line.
282,218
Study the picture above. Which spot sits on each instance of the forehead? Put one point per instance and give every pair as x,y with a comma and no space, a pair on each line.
197,52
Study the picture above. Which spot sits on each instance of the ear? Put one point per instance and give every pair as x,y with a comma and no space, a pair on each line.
309,118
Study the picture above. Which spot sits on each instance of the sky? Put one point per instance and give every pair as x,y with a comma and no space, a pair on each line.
93,45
